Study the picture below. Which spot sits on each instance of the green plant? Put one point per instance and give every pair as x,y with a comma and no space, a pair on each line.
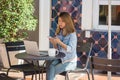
16,16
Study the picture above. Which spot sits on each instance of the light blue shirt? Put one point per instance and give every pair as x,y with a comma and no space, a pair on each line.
71,42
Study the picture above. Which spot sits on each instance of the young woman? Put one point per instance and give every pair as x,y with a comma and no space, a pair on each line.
66,42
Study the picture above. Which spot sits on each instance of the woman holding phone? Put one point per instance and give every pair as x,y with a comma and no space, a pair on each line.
66,42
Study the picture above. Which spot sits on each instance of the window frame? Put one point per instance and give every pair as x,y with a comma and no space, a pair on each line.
96,8
90,15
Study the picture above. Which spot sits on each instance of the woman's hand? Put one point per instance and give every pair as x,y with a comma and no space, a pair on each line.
52,40
58,41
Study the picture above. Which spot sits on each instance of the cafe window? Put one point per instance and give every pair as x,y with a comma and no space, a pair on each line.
95,14
115,15
100,14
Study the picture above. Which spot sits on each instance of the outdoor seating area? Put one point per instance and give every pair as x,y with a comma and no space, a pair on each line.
79,74
59,39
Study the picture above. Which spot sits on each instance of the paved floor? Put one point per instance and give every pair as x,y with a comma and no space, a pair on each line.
73,76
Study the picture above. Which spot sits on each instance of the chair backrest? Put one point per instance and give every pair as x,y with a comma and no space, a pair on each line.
105,64
11,47
4,76
84,51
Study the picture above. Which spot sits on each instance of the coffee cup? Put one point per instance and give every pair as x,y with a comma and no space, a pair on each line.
53,52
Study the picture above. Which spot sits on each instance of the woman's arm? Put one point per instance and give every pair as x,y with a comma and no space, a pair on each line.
63,45
52,40
70,44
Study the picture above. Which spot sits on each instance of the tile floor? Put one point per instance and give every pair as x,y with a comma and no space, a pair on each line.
73,76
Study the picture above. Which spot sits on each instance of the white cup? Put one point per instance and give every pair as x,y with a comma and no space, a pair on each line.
53,52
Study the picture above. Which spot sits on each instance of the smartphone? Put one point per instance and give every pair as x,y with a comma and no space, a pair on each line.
49,36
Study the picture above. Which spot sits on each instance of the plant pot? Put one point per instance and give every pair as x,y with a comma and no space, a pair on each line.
1,41
4,59
3,56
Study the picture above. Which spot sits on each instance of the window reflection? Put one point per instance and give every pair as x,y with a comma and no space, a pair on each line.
115,15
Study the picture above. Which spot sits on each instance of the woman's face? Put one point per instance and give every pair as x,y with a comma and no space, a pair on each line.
61,23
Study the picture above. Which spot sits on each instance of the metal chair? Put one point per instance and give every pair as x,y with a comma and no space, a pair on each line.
84,48
26,68
104,64
6,77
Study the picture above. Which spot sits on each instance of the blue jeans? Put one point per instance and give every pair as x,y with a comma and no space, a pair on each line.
57,67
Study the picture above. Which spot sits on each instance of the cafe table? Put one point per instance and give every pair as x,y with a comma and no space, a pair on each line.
43,56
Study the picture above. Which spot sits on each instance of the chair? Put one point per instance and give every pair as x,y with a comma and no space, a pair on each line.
26,68
84,59
104,64
3,76
65,73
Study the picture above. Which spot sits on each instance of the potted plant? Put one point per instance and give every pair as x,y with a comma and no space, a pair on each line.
16,17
